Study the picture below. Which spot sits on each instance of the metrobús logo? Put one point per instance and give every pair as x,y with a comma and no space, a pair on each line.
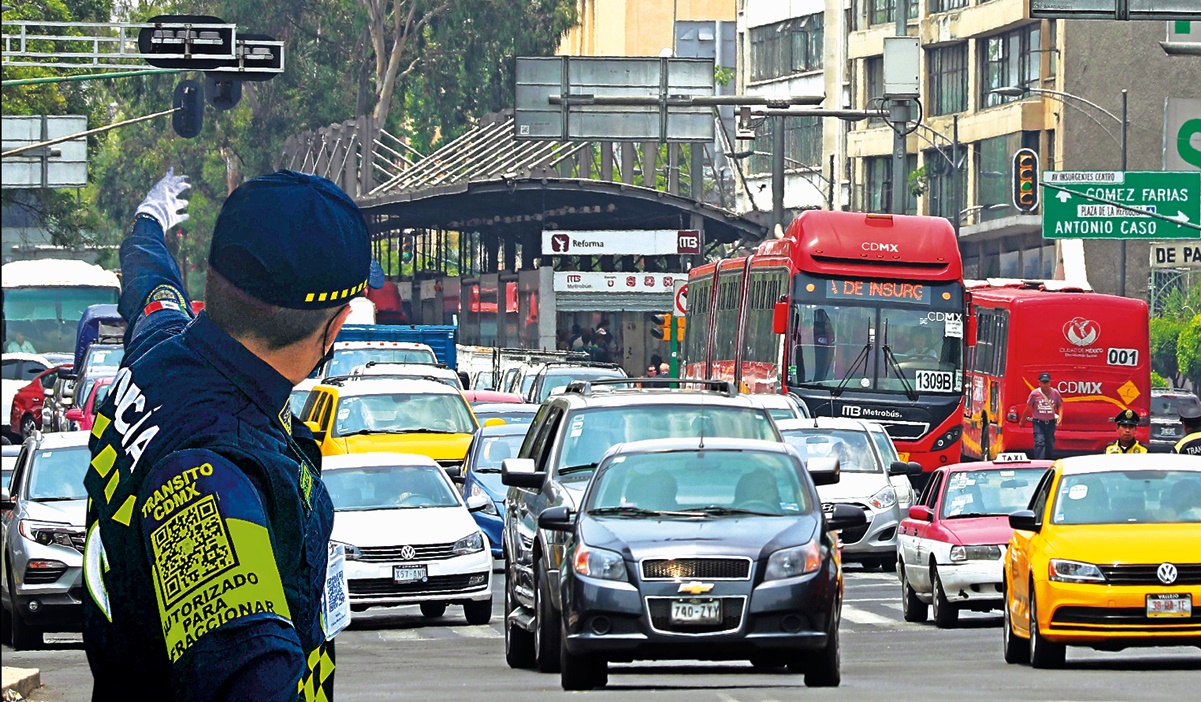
1082,332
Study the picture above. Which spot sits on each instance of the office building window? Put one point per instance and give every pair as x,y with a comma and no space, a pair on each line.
802,144
994,165
942,197
877,187
1010,59
874,68
947,67
883,11
788,47
946,5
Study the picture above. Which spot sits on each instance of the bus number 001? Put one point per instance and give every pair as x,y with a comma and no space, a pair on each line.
1123,357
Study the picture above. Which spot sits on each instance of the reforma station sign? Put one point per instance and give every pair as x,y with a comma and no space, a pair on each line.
641,242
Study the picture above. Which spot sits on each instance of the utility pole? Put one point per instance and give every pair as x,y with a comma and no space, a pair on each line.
777,175
898,112
956,178
1122,243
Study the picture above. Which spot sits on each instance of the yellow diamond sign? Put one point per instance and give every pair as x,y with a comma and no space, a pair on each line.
1128,392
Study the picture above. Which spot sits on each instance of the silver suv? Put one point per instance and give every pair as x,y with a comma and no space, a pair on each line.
43,535
562,448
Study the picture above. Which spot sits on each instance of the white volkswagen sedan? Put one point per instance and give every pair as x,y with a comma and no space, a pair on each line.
409,536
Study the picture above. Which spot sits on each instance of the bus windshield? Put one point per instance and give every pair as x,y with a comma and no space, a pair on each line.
890,336
45,319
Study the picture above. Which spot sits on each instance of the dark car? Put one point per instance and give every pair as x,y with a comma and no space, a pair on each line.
713,549
1166,428
481,476
554,377
571,433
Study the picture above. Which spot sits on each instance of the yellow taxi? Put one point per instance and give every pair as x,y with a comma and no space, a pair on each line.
365,414
1108,556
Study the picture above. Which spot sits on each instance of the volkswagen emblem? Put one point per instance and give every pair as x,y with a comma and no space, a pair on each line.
408,553
1166,572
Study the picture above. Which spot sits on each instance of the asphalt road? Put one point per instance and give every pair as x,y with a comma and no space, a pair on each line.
394,653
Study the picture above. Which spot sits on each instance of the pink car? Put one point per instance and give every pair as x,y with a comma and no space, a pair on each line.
951,547
84,417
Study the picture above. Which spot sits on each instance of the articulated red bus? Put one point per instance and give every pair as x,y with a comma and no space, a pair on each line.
1094,346
860,315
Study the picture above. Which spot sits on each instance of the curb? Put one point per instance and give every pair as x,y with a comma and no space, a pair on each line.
21,680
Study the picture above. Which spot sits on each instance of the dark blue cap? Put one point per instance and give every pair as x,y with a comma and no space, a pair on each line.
1127,416
294,240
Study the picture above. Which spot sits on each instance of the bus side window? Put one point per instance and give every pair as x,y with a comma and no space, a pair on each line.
1000,343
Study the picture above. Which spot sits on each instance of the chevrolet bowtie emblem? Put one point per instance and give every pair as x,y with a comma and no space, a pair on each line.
695,587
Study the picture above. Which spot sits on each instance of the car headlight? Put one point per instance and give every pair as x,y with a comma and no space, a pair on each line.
47,533
959,554
599,563
887,497
490,508
352,552
791,562
1064,571
469,544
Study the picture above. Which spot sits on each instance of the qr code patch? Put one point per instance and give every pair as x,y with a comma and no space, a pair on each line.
190,548
335,595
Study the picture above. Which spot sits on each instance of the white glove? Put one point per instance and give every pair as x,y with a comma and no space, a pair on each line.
163,202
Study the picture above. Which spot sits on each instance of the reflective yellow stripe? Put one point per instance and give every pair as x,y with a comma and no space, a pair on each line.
101,423
103,462
123,514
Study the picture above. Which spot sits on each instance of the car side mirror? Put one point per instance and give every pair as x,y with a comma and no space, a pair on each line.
318,433
824,471
464,379
476,503
921,513
521,473
910,469
455,473
494,422
556,519
845,517
75,414
1024,521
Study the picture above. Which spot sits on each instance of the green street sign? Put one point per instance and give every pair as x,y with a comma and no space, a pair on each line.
1069,214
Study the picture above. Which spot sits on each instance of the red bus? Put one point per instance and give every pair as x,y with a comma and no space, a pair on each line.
860,315
1094,346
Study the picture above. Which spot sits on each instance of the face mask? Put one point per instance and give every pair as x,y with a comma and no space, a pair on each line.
327,345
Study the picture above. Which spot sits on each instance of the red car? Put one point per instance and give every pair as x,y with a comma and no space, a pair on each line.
83,418
478,396
26,413
951,546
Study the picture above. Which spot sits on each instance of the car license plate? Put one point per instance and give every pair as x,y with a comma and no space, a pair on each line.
1167,431
408,574
1170,605
696,611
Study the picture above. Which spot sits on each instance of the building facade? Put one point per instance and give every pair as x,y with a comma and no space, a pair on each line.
971,50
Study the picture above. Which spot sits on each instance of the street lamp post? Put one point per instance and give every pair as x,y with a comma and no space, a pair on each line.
1123,122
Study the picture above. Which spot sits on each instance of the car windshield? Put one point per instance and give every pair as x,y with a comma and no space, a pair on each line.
494,449
850,447
995,492
346,360
47,317
388,487
296,401
57,474
555,381
592,432
108,357
404,412
700,483
510,416
1168,406
1129,497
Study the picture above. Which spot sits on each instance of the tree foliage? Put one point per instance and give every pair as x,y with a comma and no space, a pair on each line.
1188,351
427,67
1164,332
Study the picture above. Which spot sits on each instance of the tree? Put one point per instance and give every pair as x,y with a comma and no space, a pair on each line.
1188,351
1164,332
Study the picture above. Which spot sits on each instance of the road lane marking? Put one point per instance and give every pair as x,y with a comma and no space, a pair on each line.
400,635
860,616
482,631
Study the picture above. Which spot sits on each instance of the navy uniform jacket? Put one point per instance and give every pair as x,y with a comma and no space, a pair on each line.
208,522
1189,445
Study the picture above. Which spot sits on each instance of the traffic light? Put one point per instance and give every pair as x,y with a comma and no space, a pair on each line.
663,324
188,119
1025,180
406,248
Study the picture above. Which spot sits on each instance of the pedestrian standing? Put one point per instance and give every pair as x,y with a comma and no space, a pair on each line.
1126,421
1190,417
208,569
1044,408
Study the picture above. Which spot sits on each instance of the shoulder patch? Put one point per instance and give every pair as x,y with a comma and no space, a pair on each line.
167,293
208,543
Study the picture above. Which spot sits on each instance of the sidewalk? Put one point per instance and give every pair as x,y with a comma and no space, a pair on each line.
20,680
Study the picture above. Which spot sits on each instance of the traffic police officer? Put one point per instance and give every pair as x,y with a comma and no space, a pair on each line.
1127,421
1190,417
207,562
